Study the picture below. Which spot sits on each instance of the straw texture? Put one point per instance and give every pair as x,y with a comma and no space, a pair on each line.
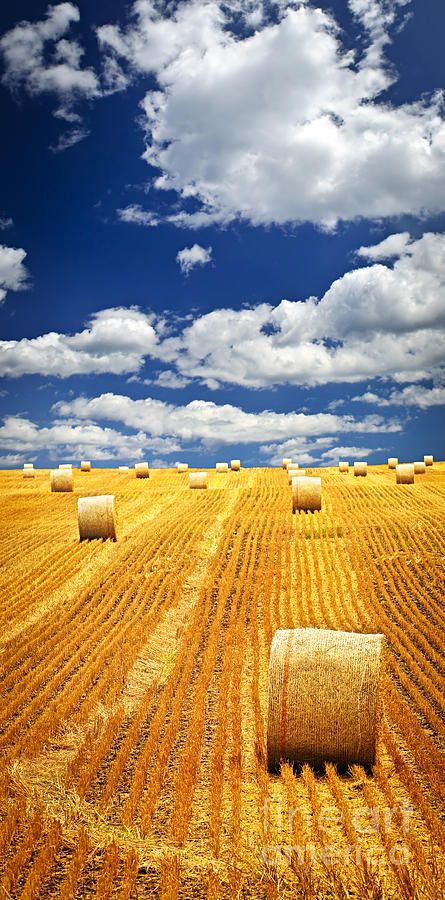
235,465
85,466
198,480
294,473
419,468
96,517
324,701
142,470
306,494
285,462
182,467
222,467
343,466
428,460
360,469
393,461
405,473
61,480
123,470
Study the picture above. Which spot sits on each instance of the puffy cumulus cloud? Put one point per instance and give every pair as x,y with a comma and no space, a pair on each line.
210,424
115,340
393,245
276,122
412,395
335,454
169,379
39,59
375,321
73,440
13,274
191,257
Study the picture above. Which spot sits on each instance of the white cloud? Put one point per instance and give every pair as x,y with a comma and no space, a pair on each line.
169,379
116,340
69,139
137,216
279,124
40,60
393,245
412,395
13,274
334,454
211,424
190,257
6,222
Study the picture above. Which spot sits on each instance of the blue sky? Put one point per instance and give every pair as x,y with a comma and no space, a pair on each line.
222,231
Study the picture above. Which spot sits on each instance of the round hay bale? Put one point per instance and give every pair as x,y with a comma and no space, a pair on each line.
285,462
123,470
96,517
85,466
324,697
293,473
428,460
222,467
29,473
360,469
393,461
292,465
306,494
61,480
182,467
419,468
343,466
142,470
235,465
28,465
198,480
405,473
65,466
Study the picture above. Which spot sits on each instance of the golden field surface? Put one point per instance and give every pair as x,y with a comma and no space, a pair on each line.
134,692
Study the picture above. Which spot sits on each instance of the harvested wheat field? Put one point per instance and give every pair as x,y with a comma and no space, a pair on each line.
134,714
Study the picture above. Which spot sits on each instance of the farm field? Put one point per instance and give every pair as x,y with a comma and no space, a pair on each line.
134,700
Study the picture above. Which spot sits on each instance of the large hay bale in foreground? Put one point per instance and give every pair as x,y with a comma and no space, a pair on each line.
324,702
393,461
405,473
222,467
286,460
306,494
182,467
142,470
235,465
61,480
360,469
123,470
343,466
294,473
198,480
428,460
419,468
85,466
96,517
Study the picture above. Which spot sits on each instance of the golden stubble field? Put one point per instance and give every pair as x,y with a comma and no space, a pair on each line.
134,695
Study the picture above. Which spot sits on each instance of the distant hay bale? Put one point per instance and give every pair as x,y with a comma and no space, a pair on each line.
28,465
285,462
405,473
235,465
85,466
292,473
96,517
61,480
29,472
222,467
123,470
419,468
360,469
393,461
198,480
65,465
324,697
343,466
142,470
291,465
306,494
428,460
182,467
